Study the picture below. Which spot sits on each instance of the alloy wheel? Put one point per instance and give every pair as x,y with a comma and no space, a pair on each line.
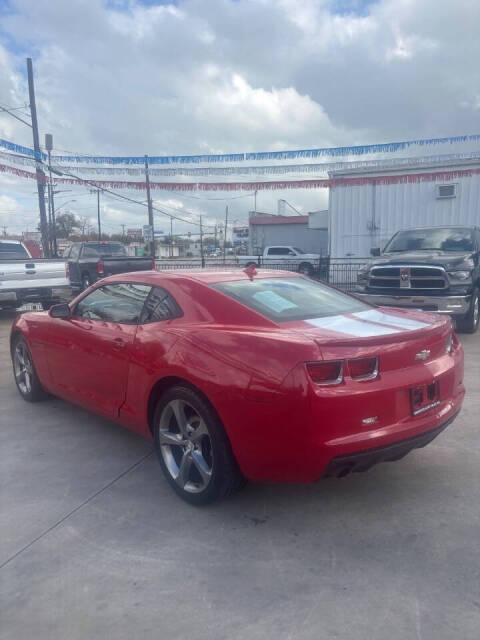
185,446
23,368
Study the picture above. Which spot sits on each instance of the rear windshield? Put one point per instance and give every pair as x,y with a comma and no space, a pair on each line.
436,239
12,251
285,300
103,250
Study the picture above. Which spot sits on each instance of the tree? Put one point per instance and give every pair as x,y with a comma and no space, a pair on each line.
66,224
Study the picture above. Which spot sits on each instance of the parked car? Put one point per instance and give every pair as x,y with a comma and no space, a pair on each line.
306,263
431,268
90,261
24,279
270,376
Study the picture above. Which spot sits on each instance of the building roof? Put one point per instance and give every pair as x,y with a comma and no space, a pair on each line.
278,220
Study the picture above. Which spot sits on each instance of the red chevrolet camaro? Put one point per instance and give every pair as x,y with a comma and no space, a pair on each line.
267,375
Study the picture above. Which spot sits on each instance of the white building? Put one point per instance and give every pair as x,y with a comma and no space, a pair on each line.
389,198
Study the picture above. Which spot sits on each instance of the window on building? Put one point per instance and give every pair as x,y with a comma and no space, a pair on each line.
446,190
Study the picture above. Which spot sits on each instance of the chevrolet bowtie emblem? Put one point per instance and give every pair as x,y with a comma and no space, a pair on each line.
422,355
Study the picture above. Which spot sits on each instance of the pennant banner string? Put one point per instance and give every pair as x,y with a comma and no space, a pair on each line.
356,150
317,168
410,178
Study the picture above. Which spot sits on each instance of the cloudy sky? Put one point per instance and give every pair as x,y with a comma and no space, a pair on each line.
121,77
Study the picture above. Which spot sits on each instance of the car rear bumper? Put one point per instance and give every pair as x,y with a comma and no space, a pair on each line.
36,294
453,305
341,466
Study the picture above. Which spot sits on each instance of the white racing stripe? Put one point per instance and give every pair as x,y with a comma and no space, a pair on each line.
351,327
387,318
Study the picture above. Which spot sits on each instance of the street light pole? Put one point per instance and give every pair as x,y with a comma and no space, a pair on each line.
150,209
51,201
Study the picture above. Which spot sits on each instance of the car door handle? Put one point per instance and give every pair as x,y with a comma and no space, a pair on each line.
119,343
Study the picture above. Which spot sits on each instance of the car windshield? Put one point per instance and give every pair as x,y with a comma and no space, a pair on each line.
104,250
299,250
12,251
439,239
289,299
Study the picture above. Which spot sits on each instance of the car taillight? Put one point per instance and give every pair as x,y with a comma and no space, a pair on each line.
67,270
100,268
326,373
363,368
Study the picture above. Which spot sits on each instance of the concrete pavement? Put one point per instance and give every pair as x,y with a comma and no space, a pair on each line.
94,544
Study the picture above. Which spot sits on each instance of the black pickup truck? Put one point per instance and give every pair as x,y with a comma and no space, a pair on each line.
90,261
432,268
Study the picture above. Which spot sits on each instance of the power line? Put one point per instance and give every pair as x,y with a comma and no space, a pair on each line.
14,115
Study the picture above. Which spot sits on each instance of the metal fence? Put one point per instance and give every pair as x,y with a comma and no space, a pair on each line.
342,273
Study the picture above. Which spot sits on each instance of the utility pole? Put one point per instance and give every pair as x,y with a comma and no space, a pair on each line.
97,191
51,202
39,171
98,215
225,235
123,232
201,243
150,209
215,237
4,231
171,236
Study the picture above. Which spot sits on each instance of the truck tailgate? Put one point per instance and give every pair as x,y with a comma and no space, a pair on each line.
22,274
113,266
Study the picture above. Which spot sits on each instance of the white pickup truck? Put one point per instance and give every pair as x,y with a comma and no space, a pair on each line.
24,279
306,263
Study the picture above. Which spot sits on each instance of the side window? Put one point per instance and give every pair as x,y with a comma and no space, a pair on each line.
74,252
160,305
278,251
121,303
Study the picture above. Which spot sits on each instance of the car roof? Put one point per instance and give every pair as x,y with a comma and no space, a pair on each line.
6,240
207,276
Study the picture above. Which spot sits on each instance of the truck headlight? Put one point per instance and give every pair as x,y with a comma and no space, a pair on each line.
460,275
362,275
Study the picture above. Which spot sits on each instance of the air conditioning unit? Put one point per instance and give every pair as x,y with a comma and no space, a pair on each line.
446,190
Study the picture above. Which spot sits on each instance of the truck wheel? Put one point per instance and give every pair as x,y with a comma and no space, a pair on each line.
305,268
469,323
85,281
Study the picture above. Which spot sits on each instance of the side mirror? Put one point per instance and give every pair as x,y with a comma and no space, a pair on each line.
375,252
60,311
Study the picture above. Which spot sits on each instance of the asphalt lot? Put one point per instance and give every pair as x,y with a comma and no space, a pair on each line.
94,544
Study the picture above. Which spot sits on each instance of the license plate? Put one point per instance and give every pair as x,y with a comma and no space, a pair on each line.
424,397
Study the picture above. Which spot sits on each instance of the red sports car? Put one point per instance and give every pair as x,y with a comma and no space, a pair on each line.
234,375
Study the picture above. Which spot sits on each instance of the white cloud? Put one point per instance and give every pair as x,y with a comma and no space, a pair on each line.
226,76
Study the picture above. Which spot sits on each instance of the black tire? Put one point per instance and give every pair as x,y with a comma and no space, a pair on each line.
469,323
46,304
305,268
26,378
86,282
205,445
250,264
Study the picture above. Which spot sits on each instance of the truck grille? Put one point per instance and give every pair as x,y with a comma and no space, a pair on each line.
406,277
